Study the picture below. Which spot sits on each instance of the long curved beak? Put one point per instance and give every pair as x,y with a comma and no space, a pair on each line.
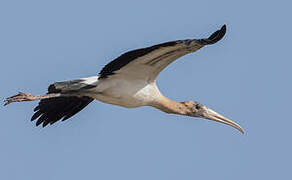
212,115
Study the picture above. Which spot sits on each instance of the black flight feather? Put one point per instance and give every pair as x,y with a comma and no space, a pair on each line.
215,37
54,109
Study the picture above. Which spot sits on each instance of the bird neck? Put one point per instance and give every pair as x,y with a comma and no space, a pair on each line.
173,107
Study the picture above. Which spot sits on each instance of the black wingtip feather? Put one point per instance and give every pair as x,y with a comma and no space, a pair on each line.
52,110
215,37
36,115
41,120
218,35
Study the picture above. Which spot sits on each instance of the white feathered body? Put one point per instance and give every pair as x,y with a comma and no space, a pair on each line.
126,92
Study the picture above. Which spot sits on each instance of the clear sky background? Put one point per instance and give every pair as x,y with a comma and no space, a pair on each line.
246,77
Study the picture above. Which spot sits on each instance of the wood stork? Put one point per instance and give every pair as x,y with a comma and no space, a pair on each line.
128,81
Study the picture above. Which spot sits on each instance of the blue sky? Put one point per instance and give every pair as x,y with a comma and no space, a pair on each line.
246,77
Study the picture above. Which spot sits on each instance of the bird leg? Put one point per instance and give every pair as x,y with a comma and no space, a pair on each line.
28,97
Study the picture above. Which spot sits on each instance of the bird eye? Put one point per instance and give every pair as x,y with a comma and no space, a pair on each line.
198,106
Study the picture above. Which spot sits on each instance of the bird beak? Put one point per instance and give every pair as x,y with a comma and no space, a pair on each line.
212,115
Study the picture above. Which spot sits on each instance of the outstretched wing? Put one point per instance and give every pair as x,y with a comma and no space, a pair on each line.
147,63
54,109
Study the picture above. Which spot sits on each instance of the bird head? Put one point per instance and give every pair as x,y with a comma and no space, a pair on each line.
196,109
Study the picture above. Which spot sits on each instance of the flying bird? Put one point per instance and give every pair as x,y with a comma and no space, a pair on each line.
128,81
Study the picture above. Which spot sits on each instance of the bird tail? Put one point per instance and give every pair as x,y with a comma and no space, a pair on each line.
74,85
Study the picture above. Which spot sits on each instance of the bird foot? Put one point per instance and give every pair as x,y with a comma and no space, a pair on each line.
19,98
